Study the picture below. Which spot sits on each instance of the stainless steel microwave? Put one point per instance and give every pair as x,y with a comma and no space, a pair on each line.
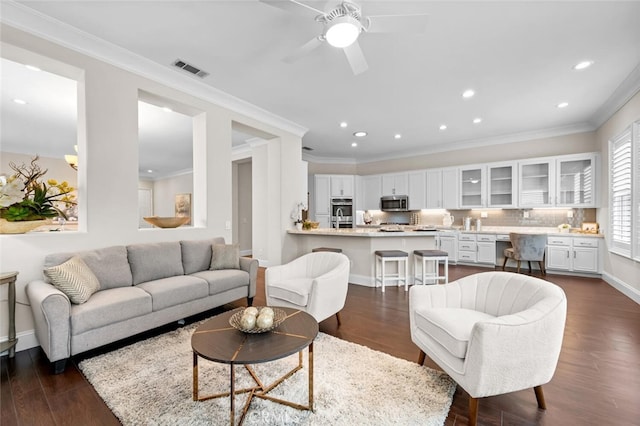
394,203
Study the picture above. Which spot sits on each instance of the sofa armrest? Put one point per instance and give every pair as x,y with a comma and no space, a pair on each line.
329,292
524,347
51,312
251,266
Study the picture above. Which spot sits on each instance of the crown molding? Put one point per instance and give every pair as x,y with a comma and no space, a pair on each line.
33,22
623,93
465,144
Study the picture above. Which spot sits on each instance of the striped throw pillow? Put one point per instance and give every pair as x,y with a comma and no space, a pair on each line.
75,279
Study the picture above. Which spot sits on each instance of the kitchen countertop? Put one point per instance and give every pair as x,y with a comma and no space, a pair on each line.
373,231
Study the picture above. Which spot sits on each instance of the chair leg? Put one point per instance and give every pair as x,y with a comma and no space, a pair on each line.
542,271
540,397
421,357
504,264
529,262
518,266
473,411
338,318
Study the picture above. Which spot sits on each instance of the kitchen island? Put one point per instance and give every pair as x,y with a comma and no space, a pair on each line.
359,244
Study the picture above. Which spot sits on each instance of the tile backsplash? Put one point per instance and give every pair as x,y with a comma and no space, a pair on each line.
510,217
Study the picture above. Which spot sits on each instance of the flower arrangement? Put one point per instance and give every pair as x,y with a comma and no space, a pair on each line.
296,213
25,196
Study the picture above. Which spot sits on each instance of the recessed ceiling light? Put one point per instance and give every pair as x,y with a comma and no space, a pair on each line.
149,171
477,120
343,124
582,65
397,136
468,94
360,134
32,68
167,109
354,144
443,127
20,101
562,105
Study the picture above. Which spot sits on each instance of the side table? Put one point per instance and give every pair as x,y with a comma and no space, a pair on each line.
10,278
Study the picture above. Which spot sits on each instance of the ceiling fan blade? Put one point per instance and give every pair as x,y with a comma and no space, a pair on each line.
302,50
398,24
294,7
356,58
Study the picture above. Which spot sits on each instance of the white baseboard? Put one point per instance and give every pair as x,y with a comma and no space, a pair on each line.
622,287
246,252
26,340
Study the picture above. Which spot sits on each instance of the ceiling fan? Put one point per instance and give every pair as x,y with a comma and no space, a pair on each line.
343,23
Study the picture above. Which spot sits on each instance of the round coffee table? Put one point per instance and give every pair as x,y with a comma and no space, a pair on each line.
216,340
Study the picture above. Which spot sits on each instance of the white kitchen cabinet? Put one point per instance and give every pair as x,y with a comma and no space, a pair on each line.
342,185
501,181
536,183
472,186
395,184
467,248
486,248
434,189
371,192
324,219
576,181
417,190
450,188
448,241
573,254
322,195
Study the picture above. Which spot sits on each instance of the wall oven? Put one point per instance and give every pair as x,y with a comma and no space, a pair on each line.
342,212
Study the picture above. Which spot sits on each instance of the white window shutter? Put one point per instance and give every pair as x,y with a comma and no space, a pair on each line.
620,193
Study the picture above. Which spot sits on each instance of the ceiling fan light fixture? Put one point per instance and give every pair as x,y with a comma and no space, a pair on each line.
343,31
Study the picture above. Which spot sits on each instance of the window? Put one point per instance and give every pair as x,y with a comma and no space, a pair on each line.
636,189
621,185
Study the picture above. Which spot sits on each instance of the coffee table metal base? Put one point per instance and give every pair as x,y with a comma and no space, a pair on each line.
259,391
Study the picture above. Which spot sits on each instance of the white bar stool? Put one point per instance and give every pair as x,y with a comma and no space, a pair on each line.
435,256
381,275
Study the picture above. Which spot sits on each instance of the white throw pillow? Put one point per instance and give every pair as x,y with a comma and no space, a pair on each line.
75,279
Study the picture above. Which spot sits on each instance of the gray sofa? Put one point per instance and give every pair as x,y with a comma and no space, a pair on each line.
142,286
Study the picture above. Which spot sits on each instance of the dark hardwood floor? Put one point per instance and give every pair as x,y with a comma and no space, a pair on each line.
597,381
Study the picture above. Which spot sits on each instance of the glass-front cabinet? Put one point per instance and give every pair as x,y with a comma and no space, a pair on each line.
536,183
472,186
576,181
502,185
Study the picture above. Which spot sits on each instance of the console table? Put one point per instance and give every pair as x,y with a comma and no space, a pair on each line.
10,278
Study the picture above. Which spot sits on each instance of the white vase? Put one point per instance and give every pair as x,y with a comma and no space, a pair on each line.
299,226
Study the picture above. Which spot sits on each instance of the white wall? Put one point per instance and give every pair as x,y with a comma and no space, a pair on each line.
108,178
165,191
619,271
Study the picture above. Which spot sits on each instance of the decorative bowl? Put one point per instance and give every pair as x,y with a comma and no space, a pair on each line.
167,222
278,316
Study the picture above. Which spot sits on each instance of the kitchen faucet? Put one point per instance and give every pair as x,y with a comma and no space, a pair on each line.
339,214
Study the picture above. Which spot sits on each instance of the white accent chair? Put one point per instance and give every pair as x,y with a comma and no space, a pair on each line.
316,283
492,332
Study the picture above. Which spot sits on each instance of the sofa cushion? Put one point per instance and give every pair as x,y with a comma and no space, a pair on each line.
173,291
225,256
450,327
154,261
110,265
107,307
295,291
224,279
196,254
74,278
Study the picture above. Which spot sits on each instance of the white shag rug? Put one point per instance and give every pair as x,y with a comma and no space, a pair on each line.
150,383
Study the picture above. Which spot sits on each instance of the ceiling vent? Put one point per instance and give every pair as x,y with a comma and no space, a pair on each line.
190,68
306,148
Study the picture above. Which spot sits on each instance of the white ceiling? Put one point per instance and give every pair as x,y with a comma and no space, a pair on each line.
516,55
